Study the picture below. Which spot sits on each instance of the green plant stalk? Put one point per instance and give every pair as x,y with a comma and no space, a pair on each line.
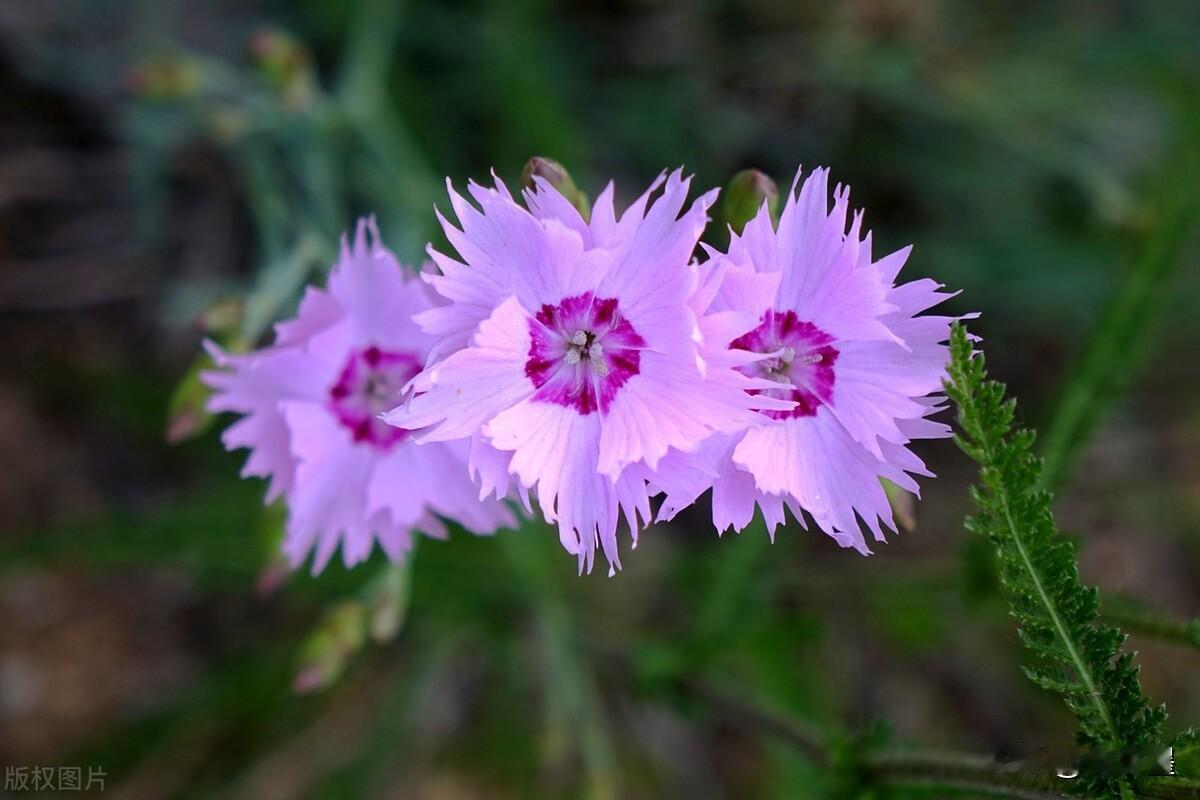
931,769
407,185
569,681
265,197
280,282
1115,347
927,768
1171,788
368,53
1145,622
936,575
391,748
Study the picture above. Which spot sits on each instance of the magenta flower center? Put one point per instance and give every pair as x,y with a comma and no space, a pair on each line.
369,385
581,352
804,358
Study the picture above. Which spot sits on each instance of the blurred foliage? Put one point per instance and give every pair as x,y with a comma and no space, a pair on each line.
1042,160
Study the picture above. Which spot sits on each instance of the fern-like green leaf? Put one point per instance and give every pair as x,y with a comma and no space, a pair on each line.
1074,655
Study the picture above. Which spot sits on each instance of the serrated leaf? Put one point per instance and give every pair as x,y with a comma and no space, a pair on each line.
1075,655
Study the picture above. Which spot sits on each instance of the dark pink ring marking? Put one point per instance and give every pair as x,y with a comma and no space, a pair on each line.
807,362
368,385
581,352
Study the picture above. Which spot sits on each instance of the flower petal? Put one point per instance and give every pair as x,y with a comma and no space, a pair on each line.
456,397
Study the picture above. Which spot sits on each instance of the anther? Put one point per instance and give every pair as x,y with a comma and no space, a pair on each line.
572,356
579,338
787,354
596,350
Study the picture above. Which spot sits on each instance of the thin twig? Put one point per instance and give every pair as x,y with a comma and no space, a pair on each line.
1135,618
940,574
1111,355
750,715
964,771
1170,788
950,770
572,694
918,766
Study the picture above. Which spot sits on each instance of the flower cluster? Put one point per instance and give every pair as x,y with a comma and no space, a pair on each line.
591,362
311,406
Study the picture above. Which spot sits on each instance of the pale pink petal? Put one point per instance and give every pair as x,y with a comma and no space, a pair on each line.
412,479
815,461
648,274
668,405
457,396
318,310
734,496
555,451
545,203
330,494
683,477
254,385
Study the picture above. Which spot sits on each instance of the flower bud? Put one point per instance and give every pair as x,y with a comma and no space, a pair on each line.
388,597
222,318
557,176
339,635
903,503
744,196
286,63
163,79
187,415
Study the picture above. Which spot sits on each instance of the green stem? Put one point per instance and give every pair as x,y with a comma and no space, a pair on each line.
1170,788
748,713
369,51
265,196
932,768
927,768
894,766
280,282
397,177
1138,619
941,575
1113,349
570,684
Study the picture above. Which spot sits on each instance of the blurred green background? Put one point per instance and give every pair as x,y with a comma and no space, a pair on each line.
171,170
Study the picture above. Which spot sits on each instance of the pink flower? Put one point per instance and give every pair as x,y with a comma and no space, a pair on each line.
570,347
845,344
311,405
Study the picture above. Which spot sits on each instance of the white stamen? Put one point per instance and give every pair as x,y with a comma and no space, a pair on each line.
579,338
572,356
787,354
812,358
600,367
596,350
